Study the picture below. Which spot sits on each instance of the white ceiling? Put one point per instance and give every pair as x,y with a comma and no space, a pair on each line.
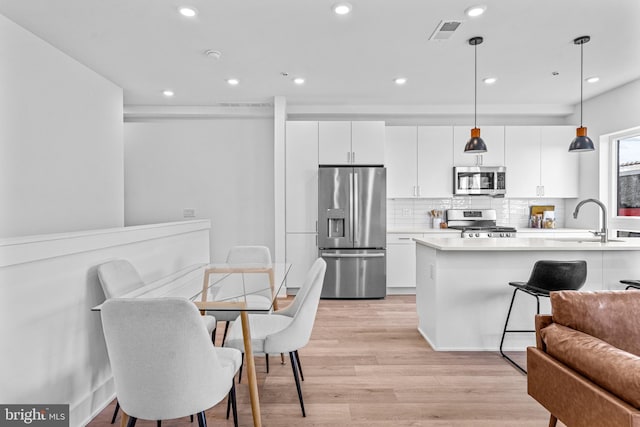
145,46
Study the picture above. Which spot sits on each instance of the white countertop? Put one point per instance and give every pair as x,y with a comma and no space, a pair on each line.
528,244
429,230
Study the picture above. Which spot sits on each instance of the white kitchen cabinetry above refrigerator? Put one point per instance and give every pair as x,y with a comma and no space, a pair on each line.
419,161
351,143
493,136
301,177
538,162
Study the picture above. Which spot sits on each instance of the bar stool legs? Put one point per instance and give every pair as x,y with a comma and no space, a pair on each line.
506,324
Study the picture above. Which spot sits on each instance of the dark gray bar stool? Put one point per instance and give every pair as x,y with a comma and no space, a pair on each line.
635,284
546,277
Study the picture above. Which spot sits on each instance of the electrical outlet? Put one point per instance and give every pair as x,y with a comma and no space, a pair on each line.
188,213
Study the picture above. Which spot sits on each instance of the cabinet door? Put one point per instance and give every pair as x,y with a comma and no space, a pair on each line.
367,143
401,261
494,138
301,252
559,167
435,161
522,159
334,143
400,160
301,173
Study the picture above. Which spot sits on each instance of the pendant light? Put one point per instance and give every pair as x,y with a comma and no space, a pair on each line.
581,142
475,145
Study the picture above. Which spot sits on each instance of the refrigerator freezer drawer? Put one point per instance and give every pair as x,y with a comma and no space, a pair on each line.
355,273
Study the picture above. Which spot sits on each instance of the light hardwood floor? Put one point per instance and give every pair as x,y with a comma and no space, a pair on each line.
367,365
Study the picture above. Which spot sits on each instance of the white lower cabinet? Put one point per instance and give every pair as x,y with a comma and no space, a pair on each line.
401,263
302,251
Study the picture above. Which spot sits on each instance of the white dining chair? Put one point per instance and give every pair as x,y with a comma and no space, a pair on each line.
249,257
163,362
287,330
118,277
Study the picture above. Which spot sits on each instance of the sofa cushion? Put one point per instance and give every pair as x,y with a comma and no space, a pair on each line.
609,367
611,316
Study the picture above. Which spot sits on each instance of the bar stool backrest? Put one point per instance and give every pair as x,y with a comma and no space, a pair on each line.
558,275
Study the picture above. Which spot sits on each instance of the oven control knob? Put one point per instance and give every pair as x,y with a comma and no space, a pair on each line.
489,234
503,235
477,234
470,235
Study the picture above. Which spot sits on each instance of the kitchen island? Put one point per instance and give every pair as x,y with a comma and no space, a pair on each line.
462,293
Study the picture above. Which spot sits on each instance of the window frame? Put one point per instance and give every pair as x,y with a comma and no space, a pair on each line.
609,180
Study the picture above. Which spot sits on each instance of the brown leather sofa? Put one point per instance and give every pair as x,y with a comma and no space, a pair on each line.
585,368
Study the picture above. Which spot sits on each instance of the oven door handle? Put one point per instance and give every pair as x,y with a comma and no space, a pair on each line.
330,255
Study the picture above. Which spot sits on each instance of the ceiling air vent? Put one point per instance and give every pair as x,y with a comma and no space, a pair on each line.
445,30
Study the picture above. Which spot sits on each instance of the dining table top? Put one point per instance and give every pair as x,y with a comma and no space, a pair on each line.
220,287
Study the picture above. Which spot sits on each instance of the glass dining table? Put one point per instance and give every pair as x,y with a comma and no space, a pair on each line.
226,287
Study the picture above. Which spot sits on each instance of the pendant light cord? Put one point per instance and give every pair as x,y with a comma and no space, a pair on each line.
475,82
581,78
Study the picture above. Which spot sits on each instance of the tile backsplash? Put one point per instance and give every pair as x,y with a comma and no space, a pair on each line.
408,213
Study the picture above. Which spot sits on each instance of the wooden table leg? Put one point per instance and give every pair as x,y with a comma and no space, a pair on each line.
251,370
124,418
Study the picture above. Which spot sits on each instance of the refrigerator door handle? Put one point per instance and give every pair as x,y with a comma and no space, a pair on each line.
332,255
351,202
355,195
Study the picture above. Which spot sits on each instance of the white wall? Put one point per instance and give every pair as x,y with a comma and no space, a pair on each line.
223,168
610,112
60,140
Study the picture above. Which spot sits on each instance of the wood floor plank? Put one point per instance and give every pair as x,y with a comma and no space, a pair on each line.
367,365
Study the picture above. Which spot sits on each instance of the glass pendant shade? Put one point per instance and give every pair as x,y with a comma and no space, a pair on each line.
581,142
475,143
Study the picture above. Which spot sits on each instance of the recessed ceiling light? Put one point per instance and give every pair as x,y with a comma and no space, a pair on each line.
400,80
215,54
341,8
593,79
298,80
168,93
189,12
474,11
233,82
489,80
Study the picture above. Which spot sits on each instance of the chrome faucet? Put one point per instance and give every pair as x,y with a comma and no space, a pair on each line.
603,233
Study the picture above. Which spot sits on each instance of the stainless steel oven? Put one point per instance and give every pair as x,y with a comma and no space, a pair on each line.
479,181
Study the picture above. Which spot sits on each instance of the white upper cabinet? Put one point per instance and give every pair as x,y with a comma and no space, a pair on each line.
419,161
493,136
335,143
538,162
367,142
301,180
350,143
435,161
400,159
559,169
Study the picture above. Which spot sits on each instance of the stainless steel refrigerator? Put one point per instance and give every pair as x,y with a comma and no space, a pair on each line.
352,231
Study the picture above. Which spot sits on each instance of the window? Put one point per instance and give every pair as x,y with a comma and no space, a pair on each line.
628,176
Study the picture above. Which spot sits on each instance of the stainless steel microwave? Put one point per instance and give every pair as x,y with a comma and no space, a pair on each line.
479,181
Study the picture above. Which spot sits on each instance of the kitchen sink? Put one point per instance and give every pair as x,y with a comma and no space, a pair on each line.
583,239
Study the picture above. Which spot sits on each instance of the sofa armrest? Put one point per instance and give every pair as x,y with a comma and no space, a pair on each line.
542,321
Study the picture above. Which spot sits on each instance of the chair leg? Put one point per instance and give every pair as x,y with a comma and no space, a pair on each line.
191,417
552,421
202,420
234,405
266,356
213,335
115,413
159,423
132,422
299,365
224,336
504,332
294,367
240,370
